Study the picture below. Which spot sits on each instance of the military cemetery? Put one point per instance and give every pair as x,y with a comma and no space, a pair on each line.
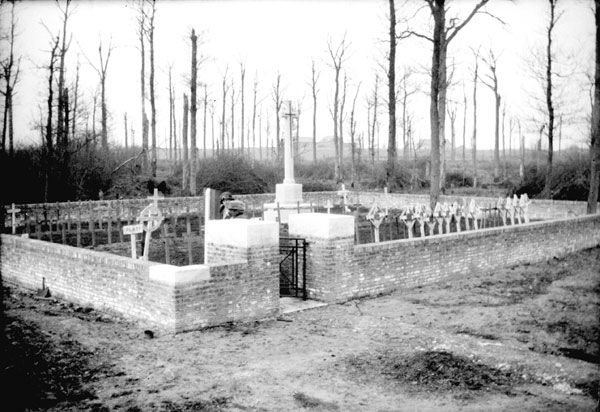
300,206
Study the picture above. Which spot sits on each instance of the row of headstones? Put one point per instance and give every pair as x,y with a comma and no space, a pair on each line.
516,209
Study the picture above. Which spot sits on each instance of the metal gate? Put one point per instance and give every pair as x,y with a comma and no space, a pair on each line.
292,267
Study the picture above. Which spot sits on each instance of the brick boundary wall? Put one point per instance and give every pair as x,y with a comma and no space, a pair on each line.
338,270
240,283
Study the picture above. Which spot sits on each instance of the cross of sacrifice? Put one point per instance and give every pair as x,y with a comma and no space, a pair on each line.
13,211
344,194
288,150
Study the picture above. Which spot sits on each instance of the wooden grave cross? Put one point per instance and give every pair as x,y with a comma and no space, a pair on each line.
344,194
13,211
376,216
132,231
151,217
328,206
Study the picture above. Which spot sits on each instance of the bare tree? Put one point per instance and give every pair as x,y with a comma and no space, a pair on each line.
242,84
554,17
184,135
491,81
353,137
102,71
225,89
503,142
452,112
75,99
464,137
150,34
337,58
193,111
125,127
391,73
374,120
48,148
254,103
442,36
278,101
62,134
204,104
592,201
171,117
406,93
474,138
342,117
10,74
141,32
314,79
521,153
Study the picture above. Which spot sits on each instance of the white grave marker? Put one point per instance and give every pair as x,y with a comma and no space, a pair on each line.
132,231
376,216
151,217
13,211
344,194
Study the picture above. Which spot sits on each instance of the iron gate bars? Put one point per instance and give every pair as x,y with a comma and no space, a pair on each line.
291,281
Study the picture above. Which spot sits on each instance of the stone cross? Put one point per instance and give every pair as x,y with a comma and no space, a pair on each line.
13,211
344,194
288,152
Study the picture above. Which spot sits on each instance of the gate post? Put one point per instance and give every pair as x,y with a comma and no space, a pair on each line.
256,244
329,253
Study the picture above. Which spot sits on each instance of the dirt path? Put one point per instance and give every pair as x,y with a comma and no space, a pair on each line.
520,339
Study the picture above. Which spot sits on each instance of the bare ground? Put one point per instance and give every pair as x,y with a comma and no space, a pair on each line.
520,339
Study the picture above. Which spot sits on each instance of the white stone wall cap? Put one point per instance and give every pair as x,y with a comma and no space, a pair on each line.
321,225
244,233
175,275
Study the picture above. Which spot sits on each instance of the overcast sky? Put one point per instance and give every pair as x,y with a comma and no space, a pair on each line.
285,36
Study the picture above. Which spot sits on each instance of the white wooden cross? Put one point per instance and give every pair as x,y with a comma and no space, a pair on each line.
13,211
344,194
328,206
155,197
376,216
132,231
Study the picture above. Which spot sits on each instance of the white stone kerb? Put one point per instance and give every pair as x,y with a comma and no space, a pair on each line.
243,233
321,225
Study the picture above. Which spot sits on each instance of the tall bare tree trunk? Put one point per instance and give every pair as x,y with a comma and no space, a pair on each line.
341,128
144,117
314,80
592,201
353,138
242,79
193,111
225,88
464,136
391,151
549,103
184,138
152,96
278,100
474,138
374,120
75,100
125,126
60,124
254,93
521,154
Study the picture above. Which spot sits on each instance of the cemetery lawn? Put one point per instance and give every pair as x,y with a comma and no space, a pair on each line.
519,339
